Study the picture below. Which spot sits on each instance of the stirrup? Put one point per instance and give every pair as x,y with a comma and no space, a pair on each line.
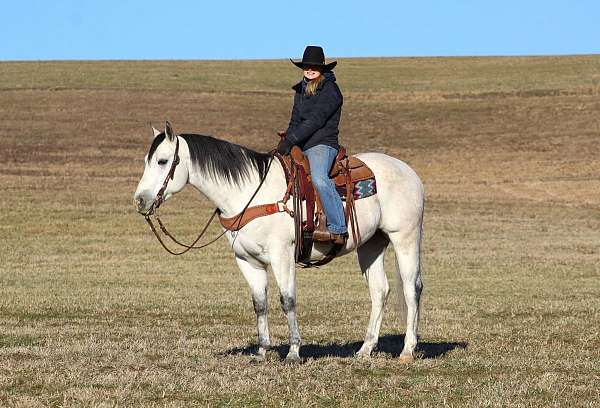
339,239
320,235
326,236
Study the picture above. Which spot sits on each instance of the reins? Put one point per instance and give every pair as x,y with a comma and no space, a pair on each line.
187,247
160,199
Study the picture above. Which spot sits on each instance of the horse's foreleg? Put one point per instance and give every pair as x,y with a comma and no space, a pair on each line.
284,269
256,276
370,257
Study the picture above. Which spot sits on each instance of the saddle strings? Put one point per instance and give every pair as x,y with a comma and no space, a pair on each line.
298,215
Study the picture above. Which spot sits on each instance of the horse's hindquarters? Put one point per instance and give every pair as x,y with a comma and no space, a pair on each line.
399,191
396,208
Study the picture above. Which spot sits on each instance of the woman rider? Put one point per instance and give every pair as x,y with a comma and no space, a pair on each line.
314,128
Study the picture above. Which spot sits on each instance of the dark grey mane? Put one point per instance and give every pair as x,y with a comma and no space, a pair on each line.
220,159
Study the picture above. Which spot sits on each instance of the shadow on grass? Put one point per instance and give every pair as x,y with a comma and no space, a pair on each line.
390,344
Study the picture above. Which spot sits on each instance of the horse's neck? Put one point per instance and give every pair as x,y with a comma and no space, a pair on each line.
231,198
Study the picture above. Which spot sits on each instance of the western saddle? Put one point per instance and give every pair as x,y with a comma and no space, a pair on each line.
353,180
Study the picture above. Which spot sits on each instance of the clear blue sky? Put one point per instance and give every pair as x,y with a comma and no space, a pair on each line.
222,29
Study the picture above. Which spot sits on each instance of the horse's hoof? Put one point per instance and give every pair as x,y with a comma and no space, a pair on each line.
406,359
363,355
293,360
257,358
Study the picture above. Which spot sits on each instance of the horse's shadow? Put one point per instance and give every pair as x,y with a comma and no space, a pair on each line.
389,344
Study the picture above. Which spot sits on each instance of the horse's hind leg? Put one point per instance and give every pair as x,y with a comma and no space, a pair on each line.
256,276
408,264
370,257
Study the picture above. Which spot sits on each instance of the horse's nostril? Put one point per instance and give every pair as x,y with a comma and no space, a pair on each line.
139,202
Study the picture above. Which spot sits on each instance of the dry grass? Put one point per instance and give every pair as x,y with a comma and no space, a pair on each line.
94,313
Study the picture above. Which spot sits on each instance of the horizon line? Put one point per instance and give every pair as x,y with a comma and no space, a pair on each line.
286,58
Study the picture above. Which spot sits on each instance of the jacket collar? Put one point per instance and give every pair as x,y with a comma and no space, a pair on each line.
328,76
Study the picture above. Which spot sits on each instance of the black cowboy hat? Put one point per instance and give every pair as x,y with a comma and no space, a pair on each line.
314,56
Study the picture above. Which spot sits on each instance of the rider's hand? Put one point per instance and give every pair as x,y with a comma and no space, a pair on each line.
281,133
284,147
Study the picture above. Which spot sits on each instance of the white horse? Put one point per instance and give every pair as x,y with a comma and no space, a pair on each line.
229,174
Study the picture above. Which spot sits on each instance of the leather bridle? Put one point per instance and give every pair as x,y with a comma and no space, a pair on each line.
160,196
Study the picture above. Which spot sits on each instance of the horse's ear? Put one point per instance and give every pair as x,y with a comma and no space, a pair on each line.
169,131
155,131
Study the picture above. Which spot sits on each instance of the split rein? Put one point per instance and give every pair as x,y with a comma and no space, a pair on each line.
160,199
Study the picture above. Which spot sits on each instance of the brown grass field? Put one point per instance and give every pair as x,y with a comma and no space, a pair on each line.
94,313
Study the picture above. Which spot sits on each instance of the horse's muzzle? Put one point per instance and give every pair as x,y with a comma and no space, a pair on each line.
140,204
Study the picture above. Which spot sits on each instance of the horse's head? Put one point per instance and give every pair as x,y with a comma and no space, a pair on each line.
163,174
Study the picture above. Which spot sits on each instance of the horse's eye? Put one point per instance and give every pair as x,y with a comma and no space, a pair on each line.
162,162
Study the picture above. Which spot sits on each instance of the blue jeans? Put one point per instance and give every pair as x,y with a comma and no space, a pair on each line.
321,159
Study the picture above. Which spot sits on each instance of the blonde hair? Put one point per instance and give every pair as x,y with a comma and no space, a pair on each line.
311,87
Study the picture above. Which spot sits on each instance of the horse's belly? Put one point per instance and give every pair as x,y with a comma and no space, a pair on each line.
252,242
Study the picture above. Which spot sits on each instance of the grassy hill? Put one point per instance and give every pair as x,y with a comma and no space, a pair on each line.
406,76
